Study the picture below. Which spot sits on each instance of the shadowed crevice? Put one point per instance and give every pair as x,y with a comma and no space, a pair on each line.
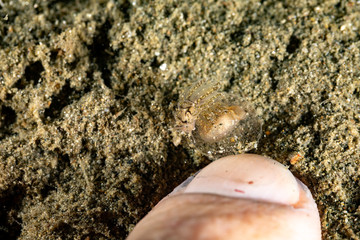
293,45
32,75
10,202
65,97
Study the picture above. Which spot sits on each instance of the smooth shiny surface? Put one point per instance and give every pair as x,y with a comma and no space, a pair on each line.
237,197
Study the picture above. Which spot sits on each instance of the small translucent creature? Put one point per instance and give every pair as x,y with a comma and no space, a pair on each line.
217,123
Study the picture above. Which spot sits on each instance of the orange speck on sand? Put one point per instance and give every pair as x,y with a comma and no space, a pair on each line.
295,159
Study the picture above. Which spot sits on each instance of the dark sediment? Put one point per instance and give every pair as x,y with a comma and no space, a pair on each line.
88,90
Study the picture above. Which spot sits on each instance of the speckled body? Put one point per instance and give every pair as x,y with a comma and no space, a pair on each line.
199,97
217,123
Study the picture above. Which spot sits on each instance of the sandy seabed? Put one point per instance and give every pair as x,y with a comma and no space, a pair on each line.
88,90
